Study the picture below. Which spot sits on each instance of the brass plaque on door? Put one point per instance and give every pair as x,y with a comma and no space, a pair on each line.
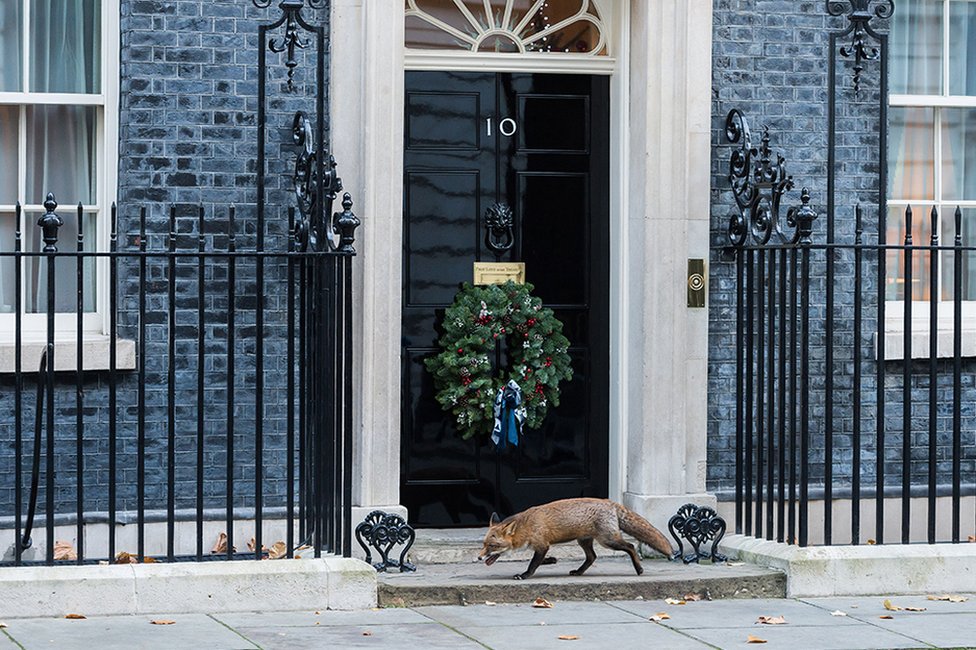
499,272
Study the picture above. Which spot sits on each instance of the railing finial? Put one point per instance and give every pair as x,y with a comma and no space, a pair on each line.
49,223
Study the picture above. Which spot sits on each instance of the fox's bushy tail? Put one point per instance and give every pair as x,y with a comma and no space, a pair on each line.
635,525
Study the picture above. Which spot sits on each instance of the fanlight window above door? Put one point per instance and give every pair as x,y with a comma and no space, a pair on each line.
506,26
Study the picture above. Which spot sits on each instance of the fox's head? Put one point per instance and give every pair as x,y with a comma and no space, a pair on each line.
498,539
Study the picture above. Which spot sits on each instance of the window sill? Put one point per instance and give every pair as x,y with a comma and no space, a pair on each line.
95,354
894,342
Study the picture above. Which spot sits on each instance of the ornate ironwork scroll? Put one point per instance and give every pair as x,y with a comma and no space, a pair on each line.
305,180
291,41
697,524
860,13
383,531
499,223
758,184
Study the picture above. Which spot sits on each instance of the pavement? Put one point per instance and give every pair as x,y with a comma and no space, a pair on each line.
808,624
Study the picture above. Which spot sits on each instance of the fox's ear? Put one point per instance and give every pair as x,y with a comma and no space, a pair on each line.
494,519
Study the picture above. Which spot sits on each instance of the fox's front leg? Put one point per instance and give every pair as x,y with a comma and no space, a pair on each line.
537,559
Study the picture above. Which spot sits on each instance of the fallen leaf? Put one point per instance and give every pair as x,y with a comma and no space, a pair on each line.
872,542
542,603
949,598
972,538
567,637
886,616
891,608
317,613
162,622
674,601
754,639
2,625
660,616
692,597
734,563
149,560
220,546
64,551
75,616
123,557
252,545
771,620
490,603
914,609
367,633
837,612
278,550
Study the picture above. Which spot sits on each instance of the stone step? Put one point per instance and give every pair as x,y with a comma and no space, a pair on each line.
610,578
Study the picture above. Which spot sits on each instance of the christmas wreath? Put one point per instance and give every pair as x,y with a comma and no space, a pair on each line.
537,356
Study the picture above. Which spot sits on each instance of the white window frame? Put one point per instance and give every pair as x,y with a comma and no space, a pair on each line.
95,324
894,329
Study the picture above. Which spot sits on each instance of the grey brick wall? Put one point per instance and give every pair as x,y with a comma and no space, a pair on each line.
770,60
188,138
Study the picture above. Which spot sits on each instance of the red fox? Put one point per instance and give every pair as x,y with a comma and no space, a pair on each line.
584,520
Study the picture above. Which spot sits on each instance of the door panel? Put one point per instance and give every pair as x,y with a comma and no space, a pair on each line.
537,143
443,208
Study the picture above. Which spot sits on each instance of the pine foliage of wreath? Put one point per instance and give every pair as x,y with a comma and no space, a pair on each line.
537,354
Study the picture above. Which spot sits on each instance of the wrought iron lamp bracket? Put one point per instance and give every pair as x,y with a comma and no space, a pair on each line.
383,531
860,13
697,524
291,18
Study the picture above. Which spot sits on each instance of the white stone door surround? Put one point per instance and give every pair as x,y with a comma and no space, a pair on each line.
659,219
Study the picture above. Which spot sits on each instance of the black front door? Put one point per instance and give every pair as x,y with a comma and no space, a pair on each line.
538,143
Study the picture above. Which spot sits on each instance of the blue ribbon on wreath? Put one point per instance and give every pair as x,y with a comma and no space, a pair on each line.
509,415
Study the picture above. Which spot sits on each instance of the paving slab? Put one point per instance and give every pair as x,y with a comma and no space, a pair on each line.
311,618
430,636
873,606
618,636
861,636
561,613
190,631
939,630
734,613
607,579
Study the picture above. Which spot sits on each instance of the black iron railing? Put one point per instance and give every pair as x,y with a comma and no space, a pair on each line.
789,452
234,416
807,428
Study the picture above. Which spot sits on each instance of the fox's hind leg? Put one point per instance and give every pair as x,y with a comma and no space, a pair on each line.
618,543
537,559
587,544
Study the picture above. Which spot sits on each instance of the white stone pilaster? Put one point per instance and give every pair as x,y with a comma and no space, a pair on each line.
367,136
670,89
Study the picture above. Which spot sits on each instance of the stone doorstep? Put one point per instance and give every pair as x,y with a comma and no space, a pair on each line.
610,578
862,570
206,587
